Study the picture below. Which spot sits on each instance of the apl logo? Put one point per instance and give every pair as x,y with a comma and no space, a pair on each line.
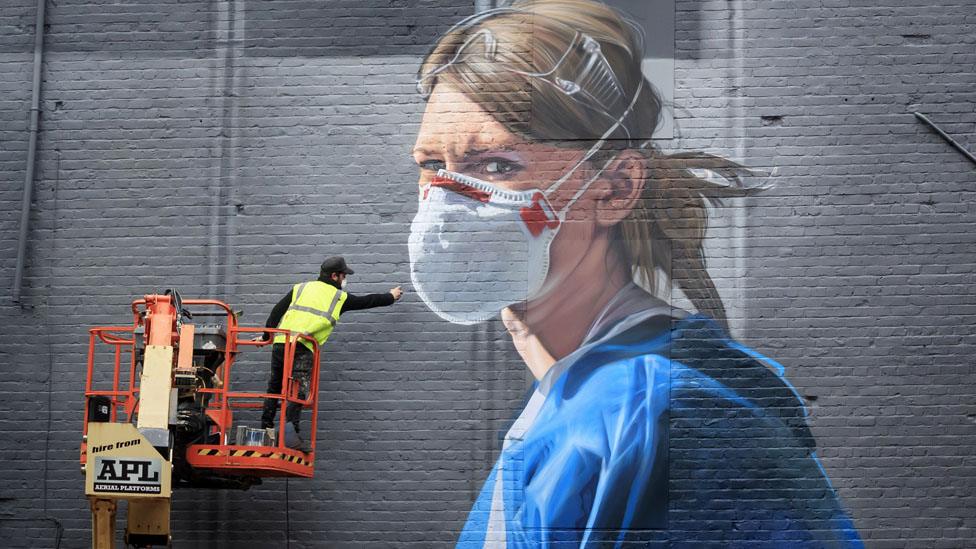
127,475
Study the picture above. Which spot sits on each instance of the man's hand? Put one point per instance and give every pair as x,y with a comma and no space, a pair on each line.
397,293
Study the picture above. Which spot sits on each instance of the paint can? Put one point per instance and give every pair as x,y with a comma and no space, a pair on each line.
249,436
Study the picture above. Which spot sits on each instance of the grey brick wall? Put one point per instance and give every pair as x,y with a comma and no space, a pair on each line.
224,147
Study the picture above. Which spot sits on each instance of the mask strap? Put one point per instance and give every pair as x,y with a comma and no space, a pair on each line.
596,147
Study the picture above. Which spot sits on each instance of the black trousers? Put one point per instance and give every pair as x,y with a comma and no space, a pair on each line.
301,372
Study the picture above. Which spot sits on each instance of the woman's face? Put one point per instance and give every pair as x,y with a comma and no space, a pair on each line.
457,135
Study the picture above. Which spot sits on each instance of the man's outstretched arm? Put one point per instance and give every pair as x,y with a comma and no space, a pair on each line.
359,302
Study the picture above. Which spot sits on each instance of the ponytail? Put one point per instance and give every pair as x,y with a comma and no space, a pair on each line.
665,231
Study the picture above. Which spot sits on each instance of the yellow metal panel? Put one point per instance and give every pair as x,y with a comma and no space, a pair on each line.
103,523
154,387
148,516
123,464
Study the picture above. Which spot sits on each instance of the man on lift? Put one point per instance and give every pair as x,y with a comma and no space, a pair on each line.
311,308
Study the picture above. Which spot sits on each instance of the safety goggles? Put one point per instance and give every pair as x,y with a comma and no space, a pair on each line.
580,72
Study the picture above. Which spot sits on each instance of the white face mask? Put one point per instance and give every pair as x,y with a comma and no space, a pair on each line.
344,283
476,248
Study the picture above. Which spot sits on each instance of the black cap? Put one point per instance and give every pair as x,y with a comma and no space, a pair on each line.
335,264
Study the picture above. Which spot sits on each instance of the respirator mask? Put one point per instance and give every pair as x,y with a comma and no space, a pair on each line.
476,248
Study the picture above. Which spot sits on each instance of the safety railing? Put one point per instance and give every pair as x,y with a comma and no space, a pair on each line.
118,397
289,389
123,396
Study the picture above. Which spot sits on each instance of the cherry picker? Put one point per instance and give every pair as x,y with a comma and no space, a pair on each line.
160,414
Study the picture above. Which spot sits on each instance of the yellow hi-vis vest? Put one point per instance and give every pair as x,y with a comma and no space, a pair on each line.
314,311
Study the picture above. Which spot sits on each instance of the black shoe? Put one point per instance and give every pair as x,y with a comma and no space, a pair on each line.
295,442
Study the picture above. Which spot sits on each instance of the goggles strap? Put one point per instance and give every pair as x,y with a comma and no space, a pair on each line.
593,150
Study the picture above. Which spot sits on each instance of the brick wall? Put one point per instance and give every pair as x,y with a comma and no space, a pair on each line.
224,147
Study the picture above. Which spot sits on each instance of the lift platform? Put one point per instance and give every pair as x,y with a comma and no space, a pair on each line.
159,414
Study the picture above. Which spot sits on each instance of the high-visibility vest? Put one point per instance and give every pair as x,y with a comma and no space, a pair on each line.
314,311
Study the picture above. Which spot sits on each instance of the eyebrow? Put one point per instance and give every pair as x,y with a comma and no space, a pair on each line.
502,148
470,152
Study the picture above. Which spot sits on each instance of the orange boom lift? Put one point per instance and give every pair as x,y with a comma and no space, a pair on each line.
162,415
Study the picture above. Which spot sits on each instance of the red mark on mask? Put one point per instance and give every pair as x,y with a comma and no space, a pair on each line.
460,188
536,217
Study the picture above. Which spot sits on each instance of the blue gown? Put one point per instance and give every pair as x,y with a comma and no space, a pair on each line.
660,432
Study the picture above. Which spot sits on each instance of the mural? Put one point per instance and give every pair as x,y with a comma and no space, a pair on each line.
542,200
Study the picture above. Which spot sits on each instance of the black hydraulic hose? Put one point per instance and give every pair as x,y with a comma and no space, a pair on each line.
31,151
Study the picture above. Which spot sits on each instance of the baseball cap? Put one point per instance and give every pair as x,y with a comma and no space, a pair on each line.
335,264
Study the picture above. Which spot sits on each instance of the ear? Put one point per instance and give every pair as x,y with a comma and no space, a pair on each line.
334,276
622,184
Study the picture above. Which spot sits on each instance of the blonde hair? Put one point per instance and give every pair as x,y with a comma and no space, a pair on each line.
665,230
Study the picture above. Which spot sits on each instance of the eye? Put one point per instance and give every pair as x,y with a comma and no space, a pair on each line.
500,166
431,164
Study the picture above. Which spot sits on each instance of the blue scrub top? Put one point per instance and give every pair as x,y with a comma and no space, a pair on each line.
660,432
